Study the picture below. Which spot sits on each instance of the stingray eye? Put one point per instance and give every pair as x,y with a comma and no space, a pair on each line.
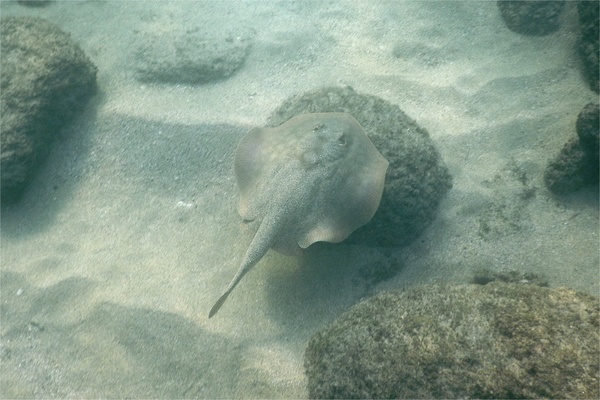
342,139
317,128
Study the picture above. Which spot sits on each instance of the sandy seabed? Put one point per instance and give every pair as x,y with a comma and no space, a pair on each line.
128,235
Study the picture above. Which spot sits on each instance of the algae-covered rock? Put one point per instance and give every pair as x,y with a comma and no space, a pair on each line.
501,340
588,130
191,56
576,166
46,79
531,17
416,179
589,49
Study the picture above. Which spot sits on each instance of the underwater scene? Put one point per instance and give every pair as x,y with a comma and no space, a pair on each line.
299,199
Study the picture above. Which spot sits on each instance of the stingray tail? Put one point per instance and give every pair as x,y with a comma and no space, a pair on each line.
218,304
263,240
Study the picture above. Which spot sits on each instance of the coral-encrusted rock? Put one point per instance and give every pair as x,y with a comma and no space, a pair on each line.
531,17
577,164
416,179
46,79
501,340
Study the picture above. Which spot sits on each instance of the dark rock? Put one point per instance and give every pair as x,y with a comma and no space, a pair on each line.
588,128
531,17
191,57
576,166
570,170
462,341
416,179
46,79
588,42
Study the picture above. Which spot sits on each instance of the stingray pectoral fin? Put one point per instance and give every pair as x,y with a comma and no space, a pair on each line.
354,205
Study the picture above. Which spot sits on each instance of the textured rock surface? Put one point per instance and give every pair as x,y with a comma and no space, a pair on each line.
464,341
527,17
589,19
588,129
191,57
416,179
576,165
46,79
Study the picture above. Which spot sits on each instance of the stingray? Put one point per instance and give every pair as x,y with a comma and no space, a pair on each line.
316,177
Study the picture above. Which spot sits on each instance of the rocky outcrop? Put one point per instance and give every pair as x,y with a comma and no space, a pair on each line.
46,80
501,340
576,166
531,17
589,51
191,56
